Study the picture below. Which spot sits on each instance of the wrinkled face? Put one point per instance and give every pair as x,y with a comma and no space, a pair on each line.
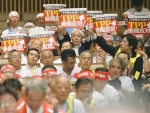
115,69
146,37
8,74
121,30
37,44
124,45
47,58
15,59
69,63
14,20
9,103
125,18
34,99
124,57
99,85
98,49
32,57
48,95
139,48
40,21
65,45
138,8
86,61
62,89
84,91
76,38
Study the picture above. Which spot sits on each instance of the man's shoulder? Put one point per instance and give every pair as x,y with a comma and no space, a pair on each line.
110,88
145,9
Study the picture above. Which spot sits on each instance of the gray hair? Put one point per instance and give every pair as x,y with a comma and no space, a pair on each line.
123,64
53,83
36,85
86,51
10,52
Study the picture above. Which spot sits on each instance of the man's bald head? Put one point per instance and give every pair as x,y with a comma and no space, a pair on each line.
61,87
37,44
47,57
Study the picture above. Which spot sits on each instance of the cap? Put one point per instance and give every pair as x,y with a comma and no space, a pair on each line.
39,15
8,67
84,74
29,24
100,75
121,23
78,30
13,13
127,13
49,71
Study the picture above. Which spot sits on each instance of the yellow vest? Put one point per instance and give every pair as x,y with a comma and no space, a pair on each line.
70,100
132,61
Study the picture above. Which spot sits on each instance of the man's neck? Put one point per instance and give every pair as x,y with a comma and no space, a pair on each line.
68,72
17,68
31,65
14,26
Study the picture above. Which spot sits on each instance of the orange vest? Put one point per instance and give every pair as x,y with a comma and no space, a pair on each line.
47,108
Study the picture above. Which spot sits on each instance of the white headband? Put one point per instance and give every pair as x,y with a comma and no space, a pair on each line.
127,13
78,30
13,13
29,24
39,15
121,23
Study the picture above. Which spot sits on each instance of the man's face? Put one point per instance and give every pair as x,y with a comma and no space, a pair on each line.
139,48
14,20
37,44
86,61
109,42
99,85
69,64
76,38
48,95
40,21
124,57
62,89
98,49
9,103
65,45
115,69
125,18
34,99
23,83
124,45
146,37
84,91
47,58
32,57
15,59
8,74
138,8
121,29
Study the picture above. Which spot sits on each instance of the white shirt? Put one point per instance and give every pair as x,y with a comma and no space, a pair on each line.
99,100
20,71
11,30
112,95
77,106
126,83
40,109
29,72
75,70
76,49
108,58
132,10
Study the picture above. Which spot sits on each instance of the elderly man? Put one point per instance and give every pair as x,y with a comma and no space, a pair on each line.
8,100
13,21
61,88
68,58
31,68
34,99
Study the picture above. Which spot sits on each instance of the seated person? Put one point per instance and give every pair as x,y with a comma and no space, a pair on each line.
125,17
137,7
29,24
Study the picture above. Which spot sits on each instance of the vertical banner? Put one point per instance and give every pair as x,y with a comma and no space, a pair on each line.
13,41
105,23
90,15
51,12
139,24
47,37
73,17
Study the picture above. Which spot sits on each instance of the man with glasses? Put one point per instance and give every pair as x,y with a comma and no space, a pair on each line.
68,58
13,21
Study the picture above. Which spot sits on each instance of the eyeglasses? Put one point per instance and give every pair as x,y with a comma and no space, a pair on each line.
8,103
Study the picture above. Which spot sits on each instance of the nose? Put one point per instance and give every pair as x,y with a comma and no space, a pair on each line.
50,79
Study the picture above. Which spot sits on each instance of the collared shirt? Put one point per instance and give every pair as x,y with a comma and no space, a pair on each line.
132,10
29,72
76,49
11,30
77,106
75,70
40,109
20,71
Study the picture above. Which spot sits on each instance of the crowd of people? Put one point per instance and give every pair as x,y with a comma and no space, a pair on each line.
33,82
